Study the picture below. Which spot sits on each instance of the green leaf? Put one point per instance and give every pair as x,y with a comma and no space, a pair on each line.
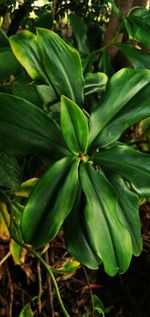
130,164
138,29
26,91
95,82
116,9
26,129
75,237
18,252
128,211
26,311
25,47
10,175
62,64
47,206
4,221
74,126
8,63
80,33
68,266
98,305
135,110
4,42
106,234
137,57
123,86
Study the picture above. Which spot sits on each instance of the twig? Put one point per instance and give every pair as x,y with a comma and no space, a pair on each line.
49,270
50,291
40,285
90,290
5,258
11,292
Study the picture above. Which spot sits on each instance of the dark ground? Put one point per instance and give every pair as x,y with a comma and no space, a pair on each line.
129,293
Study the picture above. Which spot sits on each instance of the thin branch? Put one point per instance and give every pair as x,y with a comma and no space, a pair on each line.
5,258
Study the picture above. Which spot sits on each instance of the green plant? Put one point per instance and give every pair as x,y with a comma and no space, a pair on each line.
93,180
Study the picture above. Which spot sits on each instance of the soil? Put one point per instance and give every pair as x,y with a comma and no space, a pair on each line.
128,294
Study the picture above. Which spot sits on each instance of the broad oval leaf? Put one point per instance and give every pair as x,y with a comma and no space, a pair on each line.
79,29
128,211
130,164
26,129
10,174
135,110
62,65
47,206
74,126
123,86
75,237
107,236
25,47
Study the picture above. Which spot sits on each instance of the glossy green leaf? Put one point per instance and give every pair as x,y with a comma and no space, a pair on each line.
10,175
137,57
62,65
75,237
47,206
130,164
128,211
74,126
137,29
26,311
26,129
123,86
106,234
94,82
8,63
25,47
80,33
135,110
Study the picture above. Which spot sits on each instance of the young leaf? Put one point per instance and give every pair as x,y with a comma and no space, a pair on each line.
128,211
76,240
123,86
135,110
25,48
47,206
9,172
74,126
26,129
95,82
62,65
26,311
107,236
130,164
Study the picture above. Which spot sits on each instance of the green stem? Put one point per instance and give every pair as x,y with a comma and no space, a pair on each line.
49,270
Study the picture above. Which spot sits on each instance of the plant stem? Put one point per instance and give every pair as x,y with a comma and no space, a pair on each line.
49,270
